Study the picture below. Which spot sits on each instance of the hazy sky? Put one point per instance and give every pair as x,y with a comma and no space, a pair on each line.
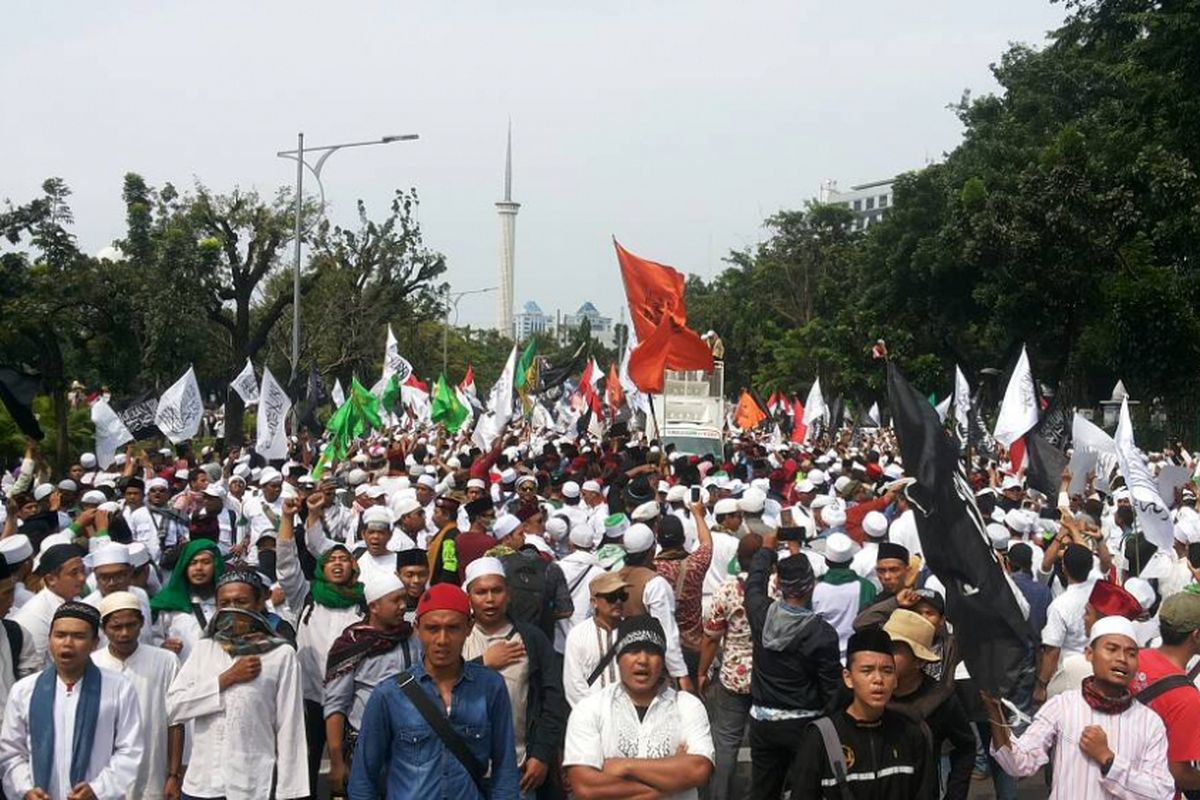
675,126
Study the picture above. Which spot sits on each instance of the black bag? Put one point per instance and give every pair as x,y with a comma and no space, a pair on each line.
441,726
526,579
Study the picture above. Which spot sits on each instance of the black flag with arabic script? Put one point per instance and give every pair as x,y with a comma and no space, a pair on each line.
991,631
138,416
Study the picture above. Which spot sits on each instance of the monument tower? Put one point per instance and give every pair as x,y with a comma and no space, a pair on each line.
508,241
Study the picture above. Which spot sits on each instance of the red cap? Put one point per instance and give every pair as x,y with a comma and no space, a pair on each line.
445,597
1111,600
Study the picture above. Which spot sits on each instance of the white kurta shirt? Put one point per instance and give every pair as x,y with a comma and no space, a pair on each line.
35,617
578,568
150,671
586,645
184,626
116,749
94,599
10,672
244,733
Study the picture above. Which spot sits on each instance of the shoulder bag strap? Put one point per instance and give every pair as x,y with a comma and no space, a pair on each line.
441,726
587,570
1162,686
833,752
604,662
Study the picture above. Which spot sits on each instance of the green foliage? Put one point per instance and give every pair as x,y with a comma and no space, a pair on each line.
80,436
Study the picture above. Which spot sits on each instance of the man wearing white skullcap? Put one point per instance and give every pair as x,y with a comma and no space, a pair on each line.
1102,743
651,593
17,552
875,530
112,571
578,567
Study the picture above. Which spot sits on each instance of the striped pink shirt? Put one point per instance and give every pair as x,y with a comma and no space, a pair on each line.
1137,738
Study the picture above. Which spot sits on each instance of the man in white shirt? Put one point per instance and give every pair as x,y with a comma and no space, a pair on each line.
17,552
63,577
112,568
1065,632
150,671
589,660
579,567
137,516
639,735
73,729
875,530
18,657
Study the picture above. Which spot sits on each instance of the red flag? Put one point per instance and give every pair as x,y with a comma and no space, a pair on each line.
670,346
417,383
748,414
773,402
654,291
799,429
587,386
468,381
616,395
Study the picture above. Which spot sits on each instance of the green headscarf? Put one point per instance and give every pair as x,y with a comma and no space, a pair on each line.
337,595
177,594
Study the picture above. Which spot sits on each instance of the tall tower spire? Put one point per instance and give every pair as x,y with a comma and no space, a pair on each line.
507,209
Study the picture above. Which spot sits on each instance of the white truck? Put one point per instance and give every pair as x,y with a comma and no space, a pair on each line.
690,412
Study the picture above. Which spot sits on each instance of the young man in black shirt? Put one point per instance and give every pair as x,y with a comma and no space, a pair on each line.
881,754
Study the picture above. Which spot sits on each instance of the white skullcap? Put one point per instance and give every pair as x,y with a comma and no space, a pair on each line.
753,500
408,505
361,490
90,498
119,601
557,526
214,490
1112,626
377,515
677,494
645,512
527,478
590,486
44,490
726,506
875,525
157,483
893,472
428,481
816,476
269,475
841,483
476,483
108,554
16,548
88,461
67,485
110,507
834,516
182,472
639,538
355,477
570,489
1020,520
381,585
823,501
376,492
139,555
805,486
583,536
998,536
505,525
287,491
508,476
485,565
839,548
663,487
1141,589
242,471
1010,482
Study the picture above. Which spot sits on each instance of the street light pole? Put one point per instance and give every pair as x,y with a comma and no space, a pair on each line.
446,325
298,155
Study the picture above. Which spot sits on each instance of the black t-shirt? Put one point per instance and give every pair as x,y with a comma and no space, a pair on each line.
885,760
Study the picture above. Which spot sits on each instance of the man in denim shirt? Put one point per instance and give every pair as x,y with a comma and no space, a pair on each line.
399,756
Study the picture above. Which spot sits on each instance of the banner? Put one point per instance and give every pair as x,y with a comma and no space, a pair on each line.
111,433
246,385
273,405
180,409
1153,514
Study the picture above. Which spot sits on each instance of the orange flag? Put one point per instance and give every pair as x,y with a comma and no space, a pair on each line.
748,414
616,395
654,291
670,346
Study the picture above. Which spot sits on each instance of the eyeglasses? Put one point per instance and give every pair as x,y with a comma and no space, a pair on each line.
614,597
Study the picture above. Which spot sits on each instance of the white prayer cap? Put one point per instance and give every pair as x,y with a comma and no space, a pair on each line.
119,601
485,565
361,490
477,483
428,481
355,477
119,459
677,494
381,585
236,476
91,498
645,512
88,461
307,479
752,501
157,483
181,473
407,505
44,490
214,490
375,492
1020,520
590,486
841,483
639,538
139,555
110,507
527,478
453,462
893,471
823,501
67,485
1112,626
816,476
834,515
875,525
998,536
805,486
377,516
583,536
1141,589
663,487
557,527
508,476
998,515
735,487
505,525
287,491
107,554
164,451
839,548
570,489
1010,482
726,506
16,548
269,475
1121,494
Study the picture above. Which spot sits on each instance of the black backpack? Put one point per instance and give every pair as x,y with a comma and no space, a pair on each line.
526,579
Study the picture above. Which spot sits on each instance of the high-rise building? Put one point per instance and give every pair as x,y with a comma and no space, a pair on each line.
530,320
508,243
601,326
870,202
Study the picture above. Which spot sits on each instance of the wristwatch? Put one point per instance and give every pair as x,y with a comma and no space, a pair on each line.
1107,765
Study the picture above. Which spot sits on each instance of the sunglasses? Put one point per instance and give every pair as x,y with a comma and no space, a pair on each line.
614,597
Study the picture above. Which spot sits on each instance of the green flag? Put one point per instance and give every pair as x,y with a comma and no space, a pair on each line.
391,395
526,374
445,407
353,418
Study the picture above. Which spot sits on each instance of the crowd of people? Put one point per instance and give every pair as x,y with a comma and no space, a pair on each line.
561,616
